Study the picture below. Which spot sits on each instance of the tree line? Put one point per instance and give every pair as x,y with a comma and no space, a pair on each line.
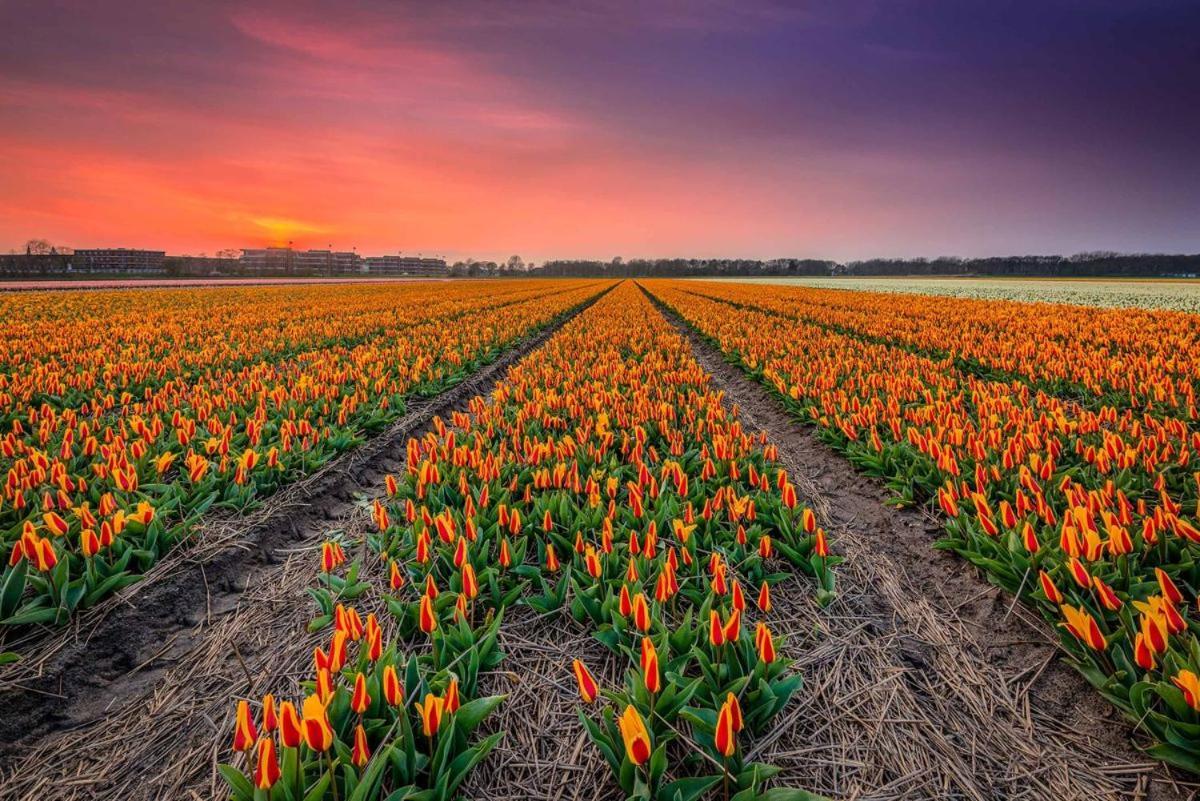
1081,264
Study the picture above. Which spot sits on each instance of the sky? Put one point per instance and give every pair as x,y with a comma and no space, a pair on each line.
706,128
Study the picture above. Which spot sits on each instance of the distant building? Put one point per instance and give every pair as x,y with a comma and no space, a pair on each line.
286,261
201,265
118,260
268,260
405,265
328,262
32,264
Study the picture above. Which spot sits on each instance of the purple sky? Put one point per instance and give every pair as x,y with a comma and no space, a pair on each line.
841,130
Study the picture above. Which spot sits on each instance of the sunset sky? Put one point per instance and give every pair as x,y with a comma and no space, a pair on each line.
834,130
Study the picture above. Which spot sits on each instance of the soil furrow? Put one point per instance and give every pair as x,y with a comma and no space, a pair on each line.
144,688
922,679
545,754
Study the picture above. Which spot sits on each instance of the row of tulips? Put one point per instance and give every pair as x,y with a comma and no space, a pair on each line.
1089,514
94,488
1139,359
368,722
605,480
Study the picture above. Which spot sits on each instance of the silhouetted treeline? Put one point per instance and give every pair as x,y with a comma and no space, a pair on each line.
685,267
1079,265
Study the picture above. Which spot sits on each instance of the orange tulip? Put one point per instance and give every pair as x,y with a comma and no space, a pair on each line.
650,666
764,546
361,753
1143,654
716,632
624,602
318,733
789,496
266,766
1079,573
427,617
291,731
764,598
469,582
244,733
55,524
337,651
735,709
1169,590
1108,598
588,689
1051,591
1189,684
1084,627
733,626
361,699
764,643
821,546
641,612
430,710
393,690
270,720
44,557
592,562
331,556
89,543
374,640
634,734
725,737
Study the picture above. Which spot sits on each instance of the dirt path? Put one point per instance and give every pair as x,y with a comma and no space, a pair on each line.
135,701
545,754
922,680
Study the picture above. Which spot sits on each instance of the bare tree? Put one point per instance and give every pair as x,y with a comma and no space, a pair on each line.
38,247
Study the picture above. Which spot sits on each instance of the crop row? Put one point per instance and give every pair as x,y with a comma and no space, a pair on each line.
602,479
1090,515
122,429
1143,360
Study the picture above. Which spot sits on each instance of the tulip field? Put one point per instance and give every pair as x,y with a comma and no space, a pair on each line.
602,479
128,415
605,482
1063,451
1181,294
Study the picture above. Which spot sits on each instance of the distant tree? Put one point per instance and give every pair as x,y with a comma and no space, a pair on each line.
228,253
514,264
38,247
